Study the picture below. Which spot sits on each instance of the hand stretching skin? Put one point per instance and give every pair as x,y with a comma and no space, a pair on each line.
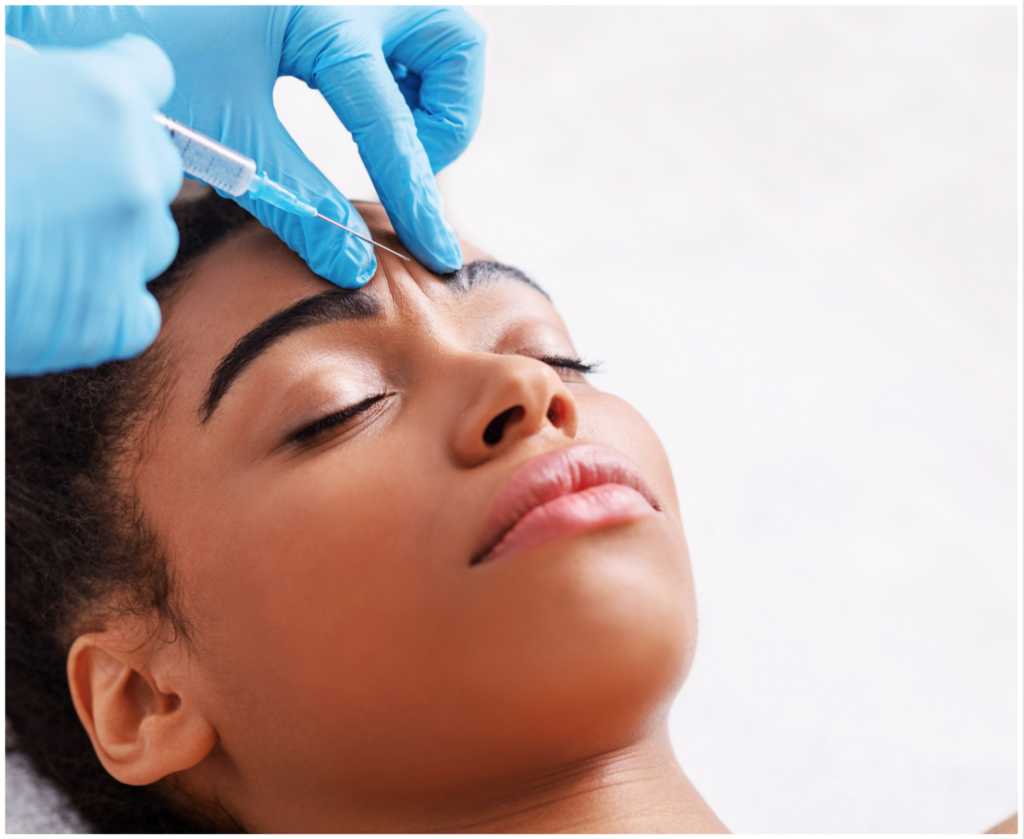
406,81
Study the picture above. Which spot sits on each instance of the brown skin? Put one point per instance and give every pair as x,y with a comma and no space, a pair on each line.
353,672
1006,826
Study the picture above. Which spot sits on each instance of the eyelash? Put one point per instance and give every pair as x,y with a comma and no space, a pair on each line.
340,418
345,415
565,362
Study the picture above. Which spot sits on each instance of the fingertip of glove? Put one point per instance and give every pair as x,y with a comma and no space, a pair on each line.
444,257
452,260
163,238
141,326
365,274
349,267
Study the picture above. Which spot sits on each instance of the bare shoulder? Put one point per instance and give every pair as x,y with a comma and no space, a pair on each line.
1008,826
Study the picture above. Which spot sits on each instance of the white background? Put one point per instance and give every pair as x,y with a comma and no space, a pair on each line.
791,234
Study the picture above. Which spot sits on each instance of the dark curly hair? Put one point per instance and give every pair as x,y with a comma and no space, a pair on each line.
78,548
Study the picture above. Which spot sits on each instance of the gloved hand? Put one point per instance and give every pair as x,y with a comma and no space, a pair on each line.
407,82
90,176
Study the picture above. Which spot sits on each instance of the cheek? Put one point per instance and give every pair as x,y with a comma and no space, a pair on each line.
610,421
320,579
335,592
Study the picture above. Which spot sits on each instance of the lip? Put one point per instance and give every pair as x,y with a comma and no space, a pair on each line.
570,490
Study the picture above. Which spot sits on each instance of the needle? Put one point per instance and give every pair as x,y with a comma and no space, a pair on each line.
364,238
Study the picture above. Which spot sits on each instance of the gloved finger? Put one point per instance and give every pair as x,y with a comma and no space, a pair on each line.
359,87
160,235
134,318
132,76
103,311
164,163
332,253
445,49
139,60
408,83
139,325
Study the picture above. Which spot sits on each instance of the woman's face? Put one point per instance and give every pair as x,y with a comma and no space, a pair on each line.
348,638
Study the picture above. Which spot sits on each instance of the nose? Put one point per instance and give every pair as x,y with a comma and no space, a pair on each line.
510,399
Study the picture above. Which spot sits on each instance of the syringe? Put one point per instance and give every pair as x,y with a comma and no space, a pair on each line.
213,163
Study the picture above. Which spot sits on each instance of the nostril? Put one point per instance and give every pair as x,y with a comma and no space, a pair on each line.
556,413
496,427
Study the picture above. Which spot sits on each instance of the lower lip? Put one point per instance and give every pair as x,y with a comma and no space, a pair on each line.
590,509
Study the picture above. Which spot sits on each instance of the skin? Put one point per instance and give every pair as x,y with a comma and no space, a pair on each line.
352,671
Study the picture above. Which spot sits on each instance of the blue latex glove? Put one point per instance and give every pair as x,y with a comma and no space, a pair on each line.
407,82
89,179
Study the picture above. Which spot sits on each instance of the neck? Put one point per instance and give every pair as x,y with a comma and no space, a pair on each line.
637,789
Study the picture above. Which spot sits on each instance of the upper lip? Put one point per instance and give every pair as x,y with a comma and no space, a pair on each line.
552,475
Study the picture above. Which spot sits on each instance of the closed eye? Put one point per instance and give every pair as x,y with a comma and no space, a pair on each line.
340,418
565,362
346,415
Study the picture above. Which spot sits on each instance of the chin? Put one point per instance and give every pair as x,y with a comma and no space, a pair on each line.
598,633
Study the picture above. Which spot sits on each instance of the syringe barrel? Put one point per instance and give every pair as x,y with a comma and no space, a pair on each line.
207,160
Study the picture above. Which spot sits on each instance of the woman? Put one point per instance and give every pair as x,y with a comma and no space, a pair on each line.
328,560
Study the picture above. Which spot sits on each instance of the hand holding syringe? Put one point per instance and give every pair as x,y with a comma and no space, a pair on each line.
225,169
88,221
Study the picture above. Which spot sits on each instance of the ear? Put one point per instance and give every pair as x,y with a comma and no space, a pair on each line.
138,706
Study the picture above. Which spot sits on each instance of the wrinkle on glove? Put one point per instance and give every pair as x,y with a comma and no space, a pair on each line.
407,82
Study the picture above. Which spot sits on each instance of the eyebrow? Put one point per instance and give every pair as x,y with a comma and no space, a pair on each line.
484,272
327,307
334,306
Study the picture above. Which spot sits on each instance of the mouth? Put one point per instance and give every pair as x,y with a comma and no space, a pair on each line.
570,490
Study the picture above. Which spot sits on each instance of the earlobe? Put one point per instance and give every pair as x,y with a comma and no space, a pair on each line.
136,708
